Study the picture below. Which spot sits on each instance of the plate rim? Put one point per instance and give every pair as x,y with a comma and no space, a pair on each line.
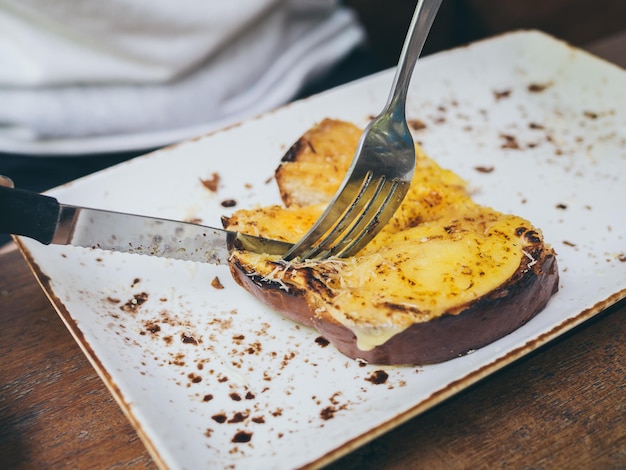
437,397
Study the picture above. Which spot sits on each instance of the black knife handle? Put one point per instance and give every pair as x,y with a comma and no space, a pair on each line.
27,213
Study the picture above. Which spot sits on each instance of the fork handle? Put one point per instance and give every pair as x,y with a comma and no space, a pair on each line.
422,20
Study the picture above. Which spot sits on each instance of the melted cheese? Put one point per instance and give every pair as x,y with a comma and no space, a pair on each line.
424,272
439,252
416,275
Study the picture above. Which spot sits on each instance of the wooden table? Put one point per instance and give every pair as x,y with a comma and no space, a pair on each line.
562,406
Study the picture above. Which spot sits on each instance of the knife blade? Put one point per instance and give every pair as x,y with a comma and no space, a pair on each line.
44,219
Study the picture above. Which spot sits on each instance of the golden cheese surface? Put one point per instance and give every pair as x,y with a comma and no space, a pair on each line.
425,271
413,276
440,251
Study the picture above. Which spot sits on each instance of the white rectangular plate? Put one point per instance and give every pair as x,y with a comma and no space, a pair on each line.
211,378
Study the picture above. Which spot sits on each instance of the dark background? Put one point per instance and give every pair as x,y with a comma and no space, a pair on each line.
458,22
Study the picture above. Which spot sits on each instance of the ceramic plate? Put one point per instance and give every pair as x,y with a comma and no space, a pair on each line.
211,378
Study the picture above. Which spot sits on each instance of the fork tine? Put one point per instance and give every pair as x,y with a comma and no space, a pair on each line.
358,222
372,211
382,168
346,222
337,211
353,214
365,227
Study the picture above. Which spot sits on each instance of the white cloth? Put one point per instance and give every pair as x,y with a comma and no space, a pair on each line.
161,69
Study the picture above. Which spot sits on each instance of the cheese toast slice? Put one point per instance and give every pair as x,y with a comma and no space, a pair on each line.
444,277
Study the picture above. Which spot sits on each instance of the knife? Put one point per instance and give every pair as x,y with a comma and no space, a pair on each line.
44,219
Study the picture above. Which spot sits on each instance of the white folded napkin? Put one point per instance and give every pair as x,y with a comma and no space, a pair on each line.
123,73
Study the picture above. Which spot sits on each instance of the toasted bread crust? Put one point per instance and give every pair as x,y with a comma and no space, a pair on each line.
291,304
451,335
448,336
403,331
330,141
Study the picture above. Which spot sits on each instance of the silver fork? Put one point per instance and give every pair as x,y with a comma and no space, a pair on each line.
383,166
